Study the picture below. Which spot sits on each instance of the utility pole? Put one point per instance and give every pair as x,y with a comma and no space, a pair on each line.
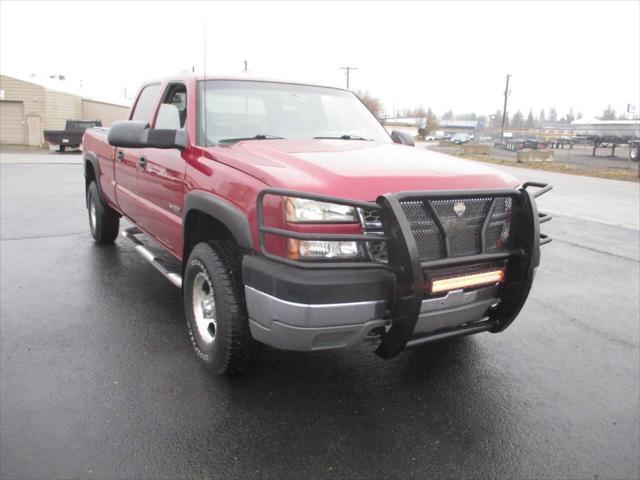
348,69
504,109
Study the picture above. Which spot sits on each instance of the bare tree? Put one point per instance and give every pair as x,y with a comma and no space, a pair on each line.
608,114
570,116
432,121
372,103
419,112
496,121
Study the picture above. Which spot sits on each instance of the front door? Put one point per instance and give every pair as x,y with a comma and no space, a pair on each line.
161,175
127,159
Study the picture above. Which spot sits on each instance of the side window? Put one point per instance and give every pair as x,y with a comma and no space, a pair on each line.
146,102
173,109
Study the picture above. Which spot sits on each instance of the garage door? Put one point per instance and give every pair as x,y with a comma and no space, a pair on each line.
11,123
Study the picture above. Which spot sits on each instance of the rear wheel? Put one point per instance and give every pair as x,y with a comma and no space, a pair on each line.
634,152
215,307
104,222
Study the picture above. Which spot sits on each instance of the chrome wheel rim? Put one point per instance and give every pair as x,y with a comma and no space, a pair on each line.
204,307
92,212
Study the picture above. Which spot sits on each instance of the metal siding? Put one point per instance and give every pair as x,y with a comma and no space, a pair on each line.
61,107
30,95
11,123
107,113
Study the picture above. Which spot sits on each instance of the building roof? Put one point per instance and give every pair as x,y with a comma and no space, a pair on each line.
459,123
594,121
243,77
407,122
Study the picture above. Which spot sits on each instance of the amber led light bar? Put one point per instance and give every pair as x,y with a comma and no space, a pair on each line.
440,285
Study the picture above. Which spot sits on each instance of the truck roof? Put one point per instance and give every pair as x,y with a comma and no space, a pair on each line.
185,77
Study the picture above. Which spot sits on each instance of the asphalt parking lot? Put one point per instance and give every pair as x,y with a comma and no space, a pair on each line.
98,380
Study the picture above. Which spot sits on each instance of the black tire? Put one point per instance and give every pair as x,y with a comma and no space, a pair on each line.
223,342
634,152
104,222
61,148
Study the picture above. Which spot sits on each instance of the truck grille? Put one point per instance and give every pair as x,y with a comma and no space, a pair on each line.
463,230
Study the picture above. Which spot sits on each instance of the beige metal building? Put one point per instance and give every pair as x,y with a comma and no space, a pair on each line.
26,109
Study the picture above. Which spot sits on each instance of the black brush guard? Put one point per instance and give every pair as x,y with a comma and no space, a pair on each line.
411,272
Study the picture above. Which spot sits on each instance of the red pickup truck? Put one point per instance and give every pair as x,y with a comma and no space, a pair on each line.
294,220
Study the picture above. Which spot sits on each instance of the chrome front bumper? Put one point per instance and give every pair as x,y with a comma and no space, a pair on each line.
296,326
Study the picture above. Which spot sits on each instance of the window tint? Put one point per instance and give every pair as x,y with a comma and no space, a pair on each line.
145,104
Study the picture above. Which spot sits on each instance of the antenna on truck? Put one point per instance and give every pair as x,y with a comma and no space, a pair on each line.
204,83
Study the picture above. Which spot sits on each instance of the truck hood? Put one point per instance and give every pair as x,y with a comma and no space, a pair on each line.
359,170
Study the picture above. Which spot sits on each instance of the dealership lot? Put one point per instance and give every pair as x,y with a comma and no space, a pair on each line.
98,380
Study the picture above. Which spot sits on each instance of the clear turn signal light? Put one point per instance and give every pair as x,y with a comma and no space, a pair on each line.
317,249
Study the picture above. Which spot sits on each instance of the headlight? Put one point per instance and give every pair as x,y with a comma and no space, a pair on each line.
317,249
303,210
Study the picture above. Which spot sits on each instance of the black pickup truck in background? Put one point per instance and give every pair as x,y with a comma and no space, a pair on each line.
71,136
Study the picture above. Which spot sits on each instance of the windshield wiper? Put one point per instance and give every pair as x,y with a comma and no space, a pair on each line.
256,137
345,137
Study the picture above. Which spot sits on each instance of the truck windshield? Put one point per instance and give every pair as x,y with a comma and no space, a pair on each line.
230,111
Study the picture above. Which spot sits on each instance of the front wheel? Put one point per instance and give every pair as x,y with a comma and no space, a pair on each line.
215,307
634,153
104,222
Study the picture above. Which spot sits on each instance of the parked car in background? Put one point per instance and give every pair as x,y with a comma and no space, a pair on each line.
634,150
71,136
460,138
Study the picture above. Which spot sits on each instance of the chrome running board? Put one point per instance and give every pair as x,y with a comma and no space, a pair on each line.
130,233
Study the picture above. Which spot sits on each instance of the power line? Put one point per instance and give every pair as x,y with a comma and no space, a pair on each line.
348,70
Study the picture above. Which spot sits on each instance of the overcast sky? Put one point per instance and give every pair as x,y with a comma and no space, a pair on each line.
441,55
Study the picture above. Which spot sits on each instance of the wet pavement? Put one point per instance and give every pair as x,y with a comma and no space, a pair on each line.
98,379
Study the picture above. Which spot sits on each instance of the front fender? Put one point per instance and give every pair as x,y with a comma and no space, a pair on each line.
231,216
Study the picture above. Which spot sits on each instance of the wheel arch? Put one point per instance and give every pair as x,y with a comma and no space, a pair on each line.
91,174
207,217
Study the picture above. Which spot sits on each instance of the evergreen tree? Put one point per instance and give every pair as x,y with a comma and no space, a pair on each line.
608,114
570,117
531,122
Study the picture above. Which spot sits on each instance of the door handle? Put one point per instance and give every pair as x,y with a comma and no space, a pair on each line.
120,155
142,162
